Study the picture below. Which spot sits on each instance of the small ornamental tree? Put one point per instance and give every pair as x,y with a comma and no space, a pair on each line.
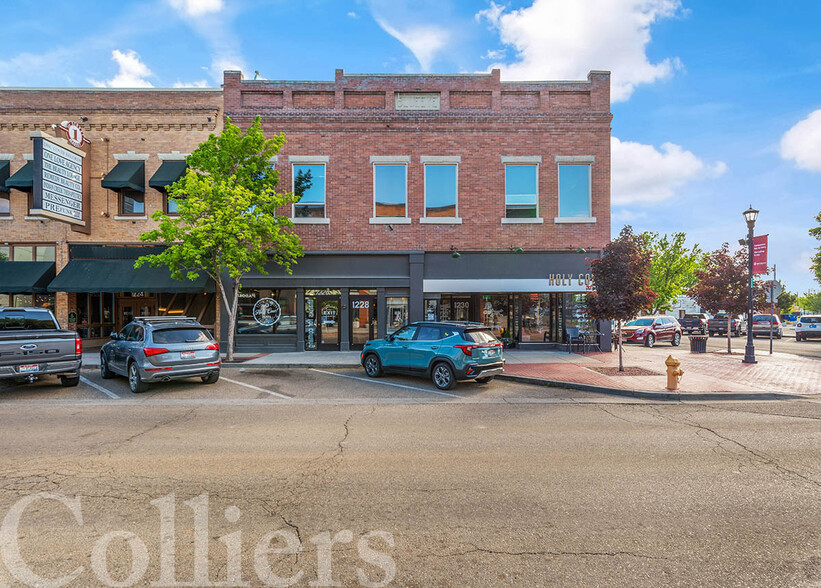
723,284
621,281
228,222
673,270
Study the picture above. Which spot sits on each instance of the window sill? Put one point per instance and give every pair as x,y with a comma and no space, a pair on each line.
35,218
6,217
130,218
440,220
310,221
523,221
574,219
389,220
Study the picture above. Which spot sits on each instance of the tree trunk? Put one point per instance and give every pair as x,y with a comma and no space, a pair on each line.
621,363
231,309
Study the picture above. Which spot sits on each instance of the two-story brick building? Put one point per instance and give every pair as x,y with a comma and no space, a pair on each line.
432,196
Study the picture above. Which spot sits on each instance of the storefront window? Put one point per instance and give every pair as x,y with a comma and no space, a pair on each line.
266,311
535,318
5,300
5,253
397,312
23,253
431,309
576,312
45,253
496,314
23,300
44,301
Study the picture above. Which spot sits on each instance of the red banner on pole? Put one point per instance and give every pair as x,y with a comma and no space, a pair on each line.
760,254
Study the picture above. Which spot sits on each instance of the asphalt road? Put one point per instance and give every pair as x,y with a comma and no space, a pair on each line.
787,344
498,485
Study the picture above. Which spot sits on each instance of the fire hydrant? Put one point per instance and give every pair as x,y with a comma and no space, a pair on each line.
673,372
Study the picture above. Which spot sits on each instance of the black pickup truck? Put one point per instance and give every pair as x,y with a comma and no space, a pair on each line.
32,345
695,323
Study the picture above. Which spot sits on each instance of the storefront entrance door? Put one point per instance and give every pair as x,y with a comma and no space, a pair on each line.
461,309
129,307
328,323
363,320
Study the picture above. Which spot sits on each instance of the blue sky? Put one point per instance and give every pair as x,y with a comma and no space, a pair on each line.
717,105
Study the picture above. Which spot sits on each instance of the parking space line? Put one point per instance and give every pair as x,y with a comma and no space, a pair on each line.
387,383
108,393
252,387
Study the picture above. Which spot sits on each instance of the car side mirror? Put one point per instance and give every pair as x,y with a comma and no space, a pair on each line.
114,335
389,338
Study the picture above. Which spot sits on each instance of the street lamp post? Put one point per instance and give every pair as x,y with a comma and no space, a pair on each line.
750,215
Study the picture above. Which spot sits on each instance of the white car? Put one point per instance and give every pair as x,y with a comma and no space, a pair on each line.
808,327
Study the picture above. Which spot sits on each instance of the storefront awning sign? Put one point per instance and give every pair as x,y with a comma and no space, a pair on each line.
572,283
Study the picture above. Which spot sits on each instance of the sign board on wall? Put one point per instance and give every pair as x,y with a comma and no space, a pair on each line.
60,181
760,255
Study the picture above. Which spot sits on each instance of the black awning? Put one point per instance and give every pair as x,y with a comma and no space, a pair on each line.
126,174
169,172
22,277
22,178
119,275
5,170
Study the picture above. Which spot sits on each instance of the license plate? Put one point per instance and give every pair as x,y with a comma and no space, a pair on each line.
491,353
187,354
29,368
813,326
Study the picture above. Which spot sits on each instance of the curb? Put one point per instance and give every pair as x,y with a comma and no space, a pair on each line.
670,396
278,366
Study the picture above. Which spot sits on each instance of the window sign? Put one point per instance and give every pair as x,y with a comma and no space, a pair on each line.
521,191
266,311
574,191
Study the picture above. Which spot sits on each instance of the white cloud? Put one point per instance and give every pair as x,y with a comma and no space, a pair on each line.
642,174
802,143
196,84
495,54
132,72
801,263
352,14
197,8
424,41
556,39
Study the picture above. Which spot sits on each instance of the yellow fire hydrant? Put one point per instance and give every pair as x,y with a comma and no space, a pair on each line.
673,372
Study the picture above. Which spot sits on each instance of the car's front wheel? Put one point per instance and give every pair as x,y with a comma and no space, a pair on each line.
651,340
373,367
443,376
135,383
676,340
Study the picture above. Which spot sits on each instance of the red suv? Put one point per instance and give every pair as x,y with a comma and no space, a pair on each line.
650,329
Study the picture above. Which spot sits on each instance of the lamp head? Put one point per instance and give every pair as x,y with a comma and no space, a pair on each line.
750,215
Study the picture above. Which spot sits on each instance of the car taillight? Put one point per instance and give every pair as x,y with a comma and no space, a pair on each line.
212,346
798,325
466,349
78,346
154,350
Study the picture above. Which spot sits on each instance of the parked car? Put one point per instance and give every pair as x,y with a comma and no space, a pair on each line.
808,327
648,330
160,349
761,325
445,351
33,345
695,323
718,325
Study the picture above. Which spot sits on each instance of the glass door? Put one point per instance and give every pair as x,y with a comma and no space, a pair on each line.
328,323
461,309
363,320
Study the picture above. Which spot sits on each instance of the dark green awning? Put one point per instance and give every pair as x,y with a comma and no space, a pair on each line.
126,174
22,277
5,169
23,178
169,172
119,275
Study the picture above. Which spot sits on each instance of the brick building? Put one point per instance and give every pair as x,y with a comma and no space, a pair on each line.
135,138
432,196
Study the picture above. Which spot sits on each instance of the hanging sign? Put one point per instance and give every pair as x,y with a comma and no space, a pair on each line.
760,254
60,180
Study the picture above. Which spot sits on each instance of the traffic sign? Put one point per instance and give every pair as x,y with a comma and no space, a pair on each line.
773,289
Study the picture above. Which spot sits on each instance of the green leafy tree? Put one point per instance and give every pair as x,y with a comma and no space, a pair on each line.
816,259
673,269
810,301
786,300
621,281
723,284
227,222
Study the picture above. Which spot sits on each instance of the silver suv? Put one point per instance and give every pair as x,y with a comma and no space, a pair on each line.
160,349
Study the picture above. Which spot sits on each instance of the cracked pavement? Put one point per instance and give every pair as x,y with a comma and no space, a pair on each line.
589,492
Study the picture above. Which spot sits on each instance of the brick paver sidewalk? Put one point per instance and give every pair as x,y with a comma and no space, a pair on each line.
779,373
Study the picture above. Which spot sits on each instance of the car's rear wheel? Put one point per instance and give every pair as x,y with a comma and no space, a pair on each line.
373,367
676,340
105,373
211,378
69,381
443,376
135,383
485,380
651,340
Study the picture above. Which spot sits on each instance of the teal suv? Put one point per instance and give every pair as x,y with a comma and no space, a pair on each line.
445,352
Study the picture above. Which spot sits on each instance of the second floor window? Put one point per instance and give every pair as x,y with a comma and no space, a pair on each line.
521,191
574,191
390,190
441,190
312,202
5,204
132,203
